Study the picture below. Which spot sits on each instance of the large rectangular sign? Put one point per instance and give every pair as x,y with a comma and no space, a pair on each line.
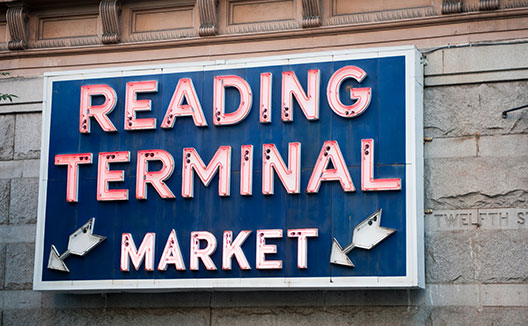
300,171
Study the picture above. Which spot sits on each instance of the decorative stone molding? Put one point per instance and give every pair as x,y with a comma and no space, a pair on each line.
263,27
404,14
66,42
488,4
370,17
207,11
514,4
451,6
311,14
159,36
109,10
16,21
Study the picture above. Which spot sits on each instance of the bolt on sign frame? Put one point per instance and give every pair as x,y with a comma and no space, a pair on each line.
299,171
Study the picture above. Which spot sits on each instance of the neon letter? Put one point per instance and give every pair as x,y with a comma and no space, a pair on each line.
290,176
104,176
192,162
72,179
171,254
146,251
99,112
302,244
184,91
155,178
361,95
246,170
233,248
203,254
265,97
309,103
330,152
220,83
132,104
368,183
263,249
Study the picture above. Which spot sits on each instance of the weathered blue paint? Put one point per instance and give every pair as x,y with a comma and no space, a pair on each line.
332,211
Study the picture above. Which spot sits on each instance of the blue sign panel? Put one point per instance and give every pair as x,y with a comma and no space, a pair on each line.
279,172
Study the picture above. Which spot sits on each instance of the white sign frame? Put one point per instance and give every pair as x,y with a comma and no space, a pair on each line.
415,275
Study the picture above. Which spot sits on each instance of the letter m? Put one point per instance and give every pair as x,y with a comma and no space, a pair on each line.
145,252
192,162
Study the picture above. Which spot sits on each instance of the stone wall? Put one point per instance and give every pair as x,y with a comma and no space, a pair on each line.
476,186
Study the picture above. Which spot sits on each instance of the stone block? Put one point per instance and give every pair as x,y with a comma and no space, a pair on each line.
13,317
452,295
466,110
22,317
7,136
31,169
493,58
110,317
126,317
10,169
505,146
51,300
502,256
23,300
159,300
5,186
2,267
449,257
17,233
504,316
24,201
459,183
505,295
20,108
19,266
28,90
455,316
28,135
320,315
267,299
451,147
368,298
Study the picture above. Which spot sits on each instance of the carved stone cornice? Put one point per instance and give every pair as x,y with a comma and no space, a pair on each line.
488,4
110,10
207,11
66,42
451,6
311,14
16,21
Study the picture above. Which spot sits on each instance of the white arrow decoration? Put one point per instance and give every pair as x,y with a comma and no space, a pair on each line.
367,235
55,260
81,242
339,256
